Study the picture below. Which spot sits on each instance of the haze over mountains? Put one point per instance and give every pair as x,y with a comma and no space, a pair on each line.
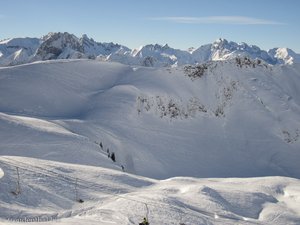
67,46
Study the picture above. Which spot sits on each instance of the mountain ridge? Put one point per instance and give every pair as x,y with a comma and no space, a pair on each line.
233,118
58,45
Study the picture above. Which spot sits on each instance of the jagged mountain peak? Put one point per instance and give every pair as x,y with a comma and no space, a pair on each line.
222,49
57,35
15,51
62,45
87,39
223,43
85,36
59,45
220,42
155,47
284,55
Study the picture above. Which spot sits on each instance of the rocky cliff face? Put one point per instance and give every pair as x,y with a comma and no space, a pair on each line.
60,45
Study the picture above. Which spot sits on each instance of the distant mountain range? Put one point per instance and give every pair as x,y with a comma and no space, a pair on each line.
67,46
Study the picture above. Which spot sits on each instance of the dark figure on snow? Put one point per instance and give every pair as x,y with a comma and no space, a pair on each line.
113,157
101,146
145,222
123,169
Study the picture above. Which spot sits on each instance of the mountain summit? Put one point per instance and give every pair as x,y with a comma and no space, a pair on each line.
68,46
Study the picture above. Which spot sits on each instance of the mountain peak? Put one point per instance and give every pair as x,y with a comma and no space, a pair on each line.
284,55
58,45
220,42
84,36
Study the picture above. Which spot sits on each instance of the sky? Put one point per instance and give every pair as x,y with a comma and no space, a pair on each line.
179,23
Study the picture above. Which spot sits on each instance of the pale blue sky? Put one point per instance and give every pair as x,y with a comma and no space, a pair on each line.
181,24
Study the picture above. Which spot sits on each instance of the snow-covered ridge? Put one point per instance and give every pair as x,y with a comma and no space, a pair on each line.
18,50
210,120
67,46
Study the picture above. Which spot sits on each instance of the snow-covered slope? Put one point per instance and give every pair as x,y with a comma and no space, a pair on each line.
68,46
284,55
220,119
50,192
17,50
222,49
233,118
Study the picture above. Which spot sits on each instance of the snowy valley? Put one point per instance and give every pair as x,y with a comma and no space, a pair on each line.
208,141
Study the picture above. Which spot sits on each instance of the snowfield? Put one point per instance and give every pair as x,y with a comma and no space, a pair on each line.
48,193
214,121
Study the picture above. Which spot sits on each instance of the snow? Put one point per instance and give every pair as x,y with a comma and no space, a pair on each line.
34,123
226,120
285,55
112,197
1,173
67,46
17,50
181,134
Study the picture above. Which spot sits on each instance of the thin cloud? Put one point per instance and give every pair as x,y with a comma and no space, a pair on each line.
232,20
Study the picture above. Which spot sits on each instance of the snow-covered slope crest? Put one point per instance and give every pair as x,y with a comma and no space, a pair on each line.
234,118
51,191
